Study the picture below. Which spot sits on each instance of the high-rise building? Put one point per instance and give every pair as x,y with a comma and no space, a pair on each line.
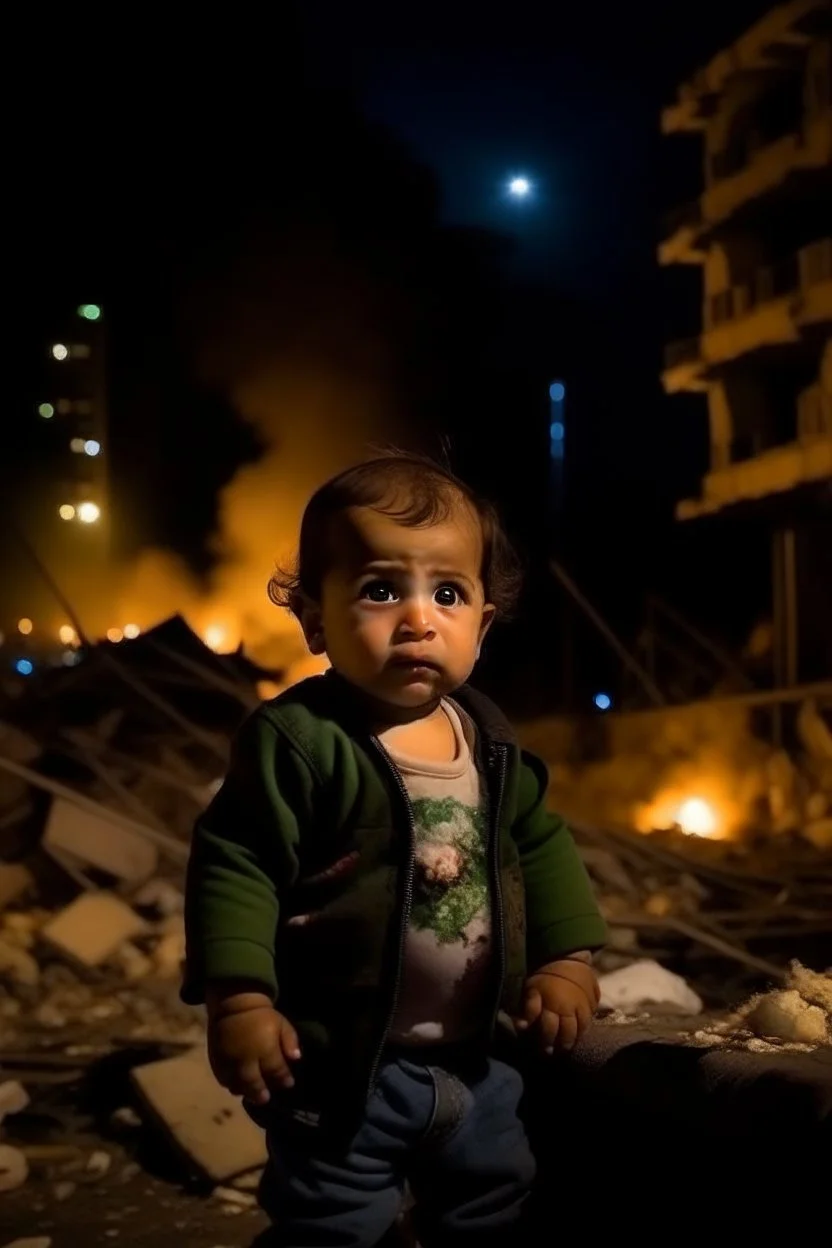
760,233
74,402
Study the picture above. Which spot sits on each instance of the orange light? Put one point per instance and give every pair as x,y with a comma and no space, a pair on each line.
215,636
697,818
25,626
115,634
131,631
67,635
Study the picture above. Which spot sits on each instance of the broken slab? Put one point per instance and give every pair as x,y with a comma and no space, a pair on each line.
94,840
206,1122
15,881
92,928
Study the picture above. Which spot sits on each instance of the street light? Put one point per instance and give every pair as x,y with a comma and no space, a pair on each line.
519,187
88,512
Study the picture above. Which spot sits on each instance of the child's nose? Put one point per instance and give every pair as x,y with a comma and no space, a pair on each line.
415,618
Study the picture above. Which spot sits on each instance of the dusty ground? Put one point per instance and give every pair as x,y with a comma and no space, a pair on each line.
127,1206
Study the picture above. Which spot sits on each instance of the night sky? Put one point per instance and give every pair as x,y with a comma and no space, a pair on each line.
176,176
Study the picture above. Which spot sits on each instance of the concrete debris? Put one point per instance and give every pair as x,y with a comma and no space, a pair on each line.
161,897
98,1163
231,1196
13,1098
15,881
207,1123
786,1016
16,965
647,983
64,1189
92,840
93,927
34,1241
14,1168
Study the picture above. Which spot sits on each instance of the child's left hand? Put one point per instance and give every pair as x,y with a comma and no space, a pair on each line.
559,1002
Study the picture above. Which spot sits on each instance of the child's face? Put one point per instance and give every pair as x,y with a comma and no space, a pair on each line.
402,611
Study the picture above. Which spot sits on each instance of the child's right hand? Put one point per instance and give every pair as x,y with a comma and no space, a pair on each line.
250,1048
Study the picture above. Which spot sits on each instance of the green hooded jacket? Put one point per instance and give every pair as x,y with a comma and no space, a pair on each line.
313,820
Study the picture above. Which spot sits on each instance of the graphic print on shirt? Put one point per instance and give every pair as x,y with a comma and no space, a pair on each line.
451,869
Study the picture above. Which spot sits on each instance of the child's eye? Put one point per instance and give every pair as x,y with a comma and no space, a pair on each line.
448,596
378,591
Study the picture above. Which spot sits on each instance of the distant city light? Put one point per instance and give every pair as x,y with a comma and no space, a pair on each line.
25,626
603,701
60,351
556,431
24,667
67,635
77,446
115,635
69,658
46,410
88,513
131,631
89,311
66,511
519,187
91,447
557,392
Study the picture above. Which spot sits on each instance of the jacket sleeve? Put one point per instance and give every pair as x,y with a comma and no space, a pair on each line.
562,915
244,856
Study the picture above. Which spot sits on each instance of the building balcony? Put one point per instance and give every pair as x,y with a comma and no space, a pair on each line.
772,472
775,307
735,184
784,30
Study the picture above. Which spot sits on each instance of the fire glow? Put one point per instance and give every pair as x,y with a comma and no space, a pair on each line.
692,814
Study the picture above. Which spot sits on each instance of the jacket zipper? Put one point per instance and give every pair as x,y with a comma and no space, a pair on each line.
406,908
498,753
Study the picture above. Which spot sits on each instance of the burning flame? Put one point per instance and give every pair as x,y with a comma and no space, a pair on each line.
697,818
707,817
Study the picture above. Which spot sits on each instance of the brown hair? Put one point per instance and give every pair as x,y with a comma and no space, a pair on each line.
415,491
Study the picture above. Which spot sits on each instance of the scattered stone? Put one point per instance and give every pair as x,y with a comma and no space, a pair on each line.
16,965
169,953
33,1241
98,1163
819,833
248,1182
647,983
64,1189
91,929
233,1197
132,963
15,882
48,1015
129,1172
161,897
13,1098
205,1120
93,839
125,1116
14,1168
787,1016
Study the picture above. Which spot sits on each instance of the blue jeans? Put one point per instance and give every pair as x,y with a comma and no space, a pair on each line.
455,1138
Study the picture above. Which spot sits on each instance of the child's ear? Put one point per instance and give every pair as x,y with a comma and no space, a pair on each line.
311,621
489,613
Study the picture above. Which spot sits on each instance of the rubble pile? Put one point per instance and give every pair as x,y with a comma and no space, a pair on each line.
728,915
